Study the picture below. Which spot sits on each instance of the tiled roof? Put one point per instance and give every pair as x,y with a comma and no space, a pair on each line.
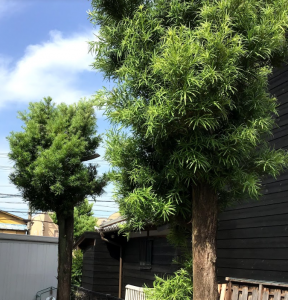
111,225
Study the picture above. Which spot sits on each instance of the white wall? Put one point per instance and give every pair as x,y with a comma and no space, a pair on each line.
27,264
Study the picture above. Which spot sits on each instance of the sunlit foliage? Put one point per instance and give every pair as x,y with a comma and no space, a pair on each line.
190,102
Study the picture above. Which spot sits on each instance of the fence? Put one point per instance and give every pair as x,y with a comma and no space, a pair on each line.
246,289
235,289
48,293
28,264
78,293
134,293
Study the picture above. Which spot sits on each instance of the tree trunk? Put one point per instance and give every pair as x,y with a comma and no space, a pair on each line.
65,246
204,226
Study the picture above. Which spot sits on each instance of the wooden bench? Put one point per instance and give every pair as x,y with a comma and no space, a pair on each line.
246,289
234,289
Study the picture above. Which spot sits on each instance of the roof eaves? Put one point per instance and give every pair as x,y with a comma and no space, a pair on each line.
112,226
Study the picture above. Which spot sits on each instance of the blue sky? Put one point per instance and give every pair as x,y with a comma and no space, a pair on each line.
44,52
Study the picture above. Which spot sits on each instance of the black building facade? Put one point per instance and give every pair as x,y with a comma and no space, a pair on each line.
252,238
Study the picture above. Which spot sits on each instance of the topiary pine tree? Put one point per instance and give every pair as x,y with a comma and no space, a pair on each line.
49,172
191,87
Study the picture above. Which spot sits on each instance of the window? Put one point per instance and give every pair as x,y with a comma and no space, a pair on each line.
145,254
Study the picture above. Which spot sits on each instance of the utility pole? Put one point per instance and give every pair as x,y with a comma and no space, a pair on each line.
29,223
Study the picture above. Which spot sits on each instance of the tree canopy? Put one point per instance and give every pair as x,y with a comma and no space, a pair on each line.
192,89
47,155
83,219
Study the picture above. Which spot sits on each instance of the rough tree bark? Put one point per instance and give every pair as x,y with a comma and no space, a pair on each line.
204,226
65,245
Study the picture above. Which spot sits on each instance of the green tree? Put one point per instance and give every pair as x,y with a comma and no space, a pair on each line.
175,287
77,266
191,87
83,219
48,157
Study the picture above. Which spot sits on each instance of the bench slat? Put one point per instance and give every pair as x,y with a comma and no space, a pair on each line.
245,293
254,294
223,292
251,281
235,293
265,294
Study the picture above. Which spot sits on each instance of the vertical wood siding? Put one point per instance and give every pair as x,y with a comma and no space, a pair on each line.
105,268
101,264
252,238
87,270
162,262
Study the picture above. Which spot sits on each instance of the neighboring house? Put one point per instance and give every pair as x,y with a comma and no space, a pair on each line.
140,258
12,224
42,225
253,237
28,264
100,221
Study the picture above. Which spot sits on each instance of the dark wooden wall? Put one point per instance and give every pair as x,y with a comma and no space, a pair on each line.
252,238
163,255
87,271
101,263
106,268
101,267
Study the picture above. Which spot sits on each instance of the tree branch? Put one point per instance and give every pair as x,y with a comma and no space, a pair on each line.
89,157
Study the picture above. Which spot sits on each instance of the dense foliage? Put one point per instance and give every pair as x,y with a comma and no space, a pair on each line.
175,287
83,219
47,155
77,265
191,102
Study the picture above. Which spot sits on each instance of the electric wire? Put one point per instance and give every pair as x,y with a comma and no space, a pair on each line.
97,201
26,212
26,220
106,206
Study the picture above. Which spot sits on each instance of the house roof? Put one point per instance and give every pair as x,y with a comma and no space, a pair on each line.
86,239
6,213
111,225
13,226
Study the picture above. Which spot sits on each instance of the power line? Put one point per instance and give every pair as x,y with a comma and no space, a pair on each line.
18,211
101,201
19,196
13,202
27,220
22,203
26,212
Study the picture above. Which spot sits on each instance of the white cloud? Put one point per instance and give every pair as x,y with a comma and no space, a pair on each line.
8,7
48,69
